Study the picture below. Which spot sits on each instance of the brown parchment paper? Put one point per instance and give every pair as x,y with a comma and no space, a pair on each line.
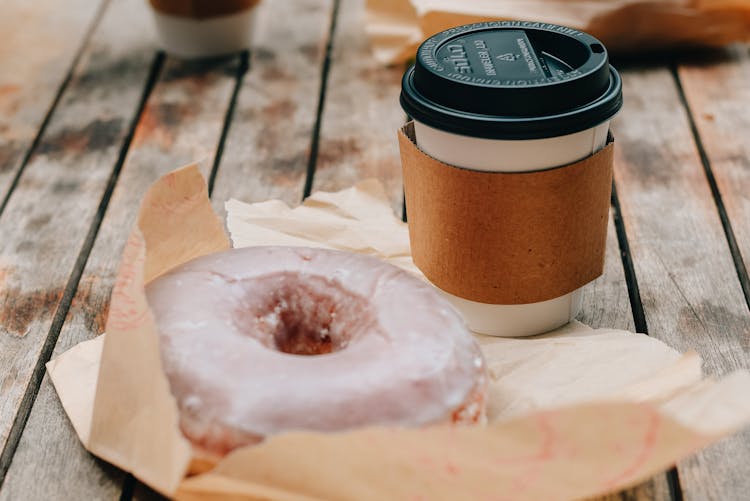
397,27
134,422
574,413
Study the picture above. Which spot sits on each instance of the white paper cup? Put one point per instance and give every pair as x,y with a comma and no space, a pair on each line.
509,97
193,38
513,320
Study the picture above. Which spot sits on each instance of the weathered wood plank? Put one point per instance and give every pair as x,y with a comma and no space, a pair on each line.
39,46
361,113
687,281
719,96
267,149
181,122
49,215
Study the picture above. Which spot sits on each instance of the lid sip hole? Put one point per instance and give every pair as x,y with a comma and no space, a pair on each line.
597,48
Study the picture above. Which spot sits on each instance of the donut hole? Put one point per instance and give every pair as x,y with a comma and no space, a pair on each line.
301,334
307,314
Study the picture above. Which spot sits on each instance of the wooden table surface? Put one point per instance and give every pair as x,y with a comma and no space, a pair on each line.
91,114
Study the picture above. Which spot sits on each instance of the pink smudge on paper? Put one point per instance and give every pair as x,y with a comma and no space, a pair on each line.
650,437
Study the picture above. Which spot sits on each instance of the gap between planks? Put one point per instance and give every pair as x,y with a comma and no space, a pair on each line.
325,70
242,69
361,114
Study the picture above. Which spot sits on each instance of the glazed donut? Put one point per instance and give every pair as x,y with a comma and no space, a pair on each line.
262,340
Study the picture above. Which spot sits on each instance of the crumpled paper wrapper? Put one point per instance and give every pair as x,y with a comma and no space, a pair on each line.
574,413
397,27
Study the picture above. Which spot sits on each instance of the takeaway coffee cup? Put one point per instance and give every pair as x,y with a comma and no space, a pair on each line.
204,28
518,113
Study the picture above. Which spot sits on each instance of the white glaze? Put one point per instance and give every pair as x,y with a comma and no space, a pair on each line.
409,360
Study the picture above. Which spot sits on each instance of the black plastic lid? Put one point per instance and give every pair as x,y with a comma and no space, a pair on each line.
512,80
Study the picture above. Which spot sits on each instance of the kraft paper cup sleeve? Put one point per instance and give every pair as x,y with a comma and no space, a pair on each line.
197,9
507,238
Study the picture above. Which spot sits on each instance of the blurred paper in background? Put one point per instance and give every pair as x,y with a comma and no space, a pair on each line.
396,27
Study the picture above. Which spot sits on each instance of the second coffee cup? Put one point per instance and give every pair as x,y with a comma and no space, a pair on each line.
529,104
193,29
